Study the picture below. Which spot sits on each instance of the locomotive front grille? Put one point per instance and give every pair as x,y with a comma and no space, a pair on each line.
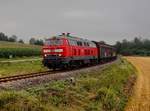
53,61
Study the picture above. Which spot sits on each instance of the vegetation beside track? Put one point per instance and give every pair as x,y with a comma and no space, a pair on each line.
20,59
14,68
93,91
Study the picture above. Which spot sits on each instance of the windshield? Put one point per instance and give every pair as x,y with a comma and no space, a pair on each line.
54,42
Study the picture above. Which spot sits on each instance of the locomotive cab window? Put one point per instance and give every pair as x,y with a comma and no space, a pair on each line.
54,42
72,42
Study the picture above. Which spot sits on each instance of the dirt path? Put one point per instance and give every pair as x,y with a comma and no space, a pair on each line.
141,97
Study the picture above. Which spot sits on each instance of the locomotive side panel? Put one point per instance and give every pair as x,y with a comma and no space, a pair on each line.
83,50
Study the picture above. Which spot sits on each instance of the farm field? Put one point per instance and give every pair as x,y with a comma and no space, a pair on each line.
92,91
13,50
141,96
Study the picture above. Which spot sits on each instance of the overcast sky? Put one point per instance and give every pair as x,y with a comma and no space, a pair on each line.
108,20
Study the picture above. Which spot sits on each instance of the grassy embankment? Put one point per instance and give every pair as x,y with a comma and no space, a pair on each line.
94,91
8,49
24,67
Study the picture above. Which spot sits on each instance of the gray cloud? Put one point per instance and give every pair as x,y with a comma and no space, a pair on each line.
108,20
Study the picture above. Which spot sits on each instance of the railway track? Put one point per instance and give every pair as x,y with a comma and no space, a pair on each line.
24,76
32,75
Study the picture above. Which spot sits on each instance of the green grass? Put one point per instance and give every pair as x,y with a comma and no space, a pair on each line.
15,68
20,58
93,91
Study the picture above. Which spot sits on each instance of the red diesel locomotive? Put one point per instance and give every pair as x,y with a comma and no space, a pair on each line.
65,51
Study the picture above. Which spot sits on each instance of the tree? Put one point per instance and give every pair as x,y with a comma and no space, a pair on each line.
118,46
21,41
137,42
32,41
137,46
13,38
3,37
39,42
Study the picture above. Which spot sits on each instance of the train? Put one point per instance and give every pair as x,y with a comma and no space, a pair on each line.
67,51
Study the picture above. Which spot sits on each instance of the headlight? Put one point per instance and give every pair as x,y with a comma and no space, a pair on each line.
46,50
58,50
59,54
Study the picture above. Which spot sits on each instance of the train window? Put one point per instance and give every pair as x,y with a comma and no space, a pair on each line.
72,42
87,44
54,42
79,43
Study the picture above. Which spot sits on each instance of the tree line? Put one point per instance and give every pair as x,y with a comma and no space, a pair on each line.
14,38
137,46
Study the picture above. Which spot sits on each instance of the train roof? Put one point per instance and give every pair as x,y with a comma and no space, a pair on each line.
102,44
63,35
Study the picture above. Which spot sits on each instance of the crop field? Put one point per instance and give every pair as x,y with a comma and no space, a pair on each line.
141,96
8,49
99,90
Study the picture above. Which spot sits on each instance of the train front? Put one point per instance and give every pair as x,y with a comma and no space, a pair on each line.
54,52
